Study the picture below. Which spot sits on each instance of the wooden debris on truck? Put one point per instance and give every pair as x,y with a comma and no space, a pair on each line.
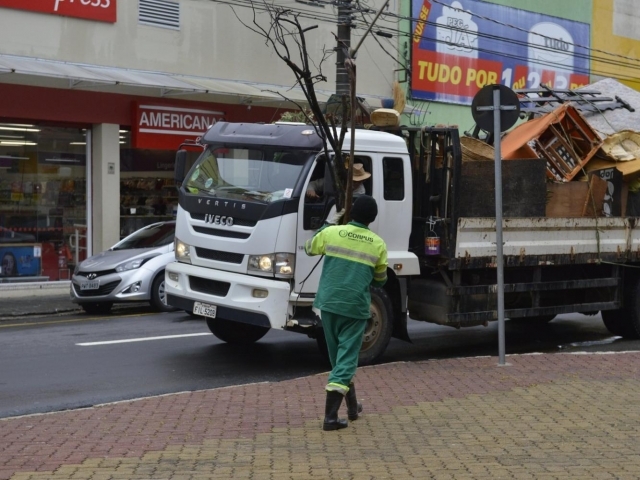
577,199
562,137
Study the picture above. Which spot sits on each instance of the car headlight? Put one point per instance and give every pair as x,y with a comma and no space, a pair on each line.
183,251
279,264
133,264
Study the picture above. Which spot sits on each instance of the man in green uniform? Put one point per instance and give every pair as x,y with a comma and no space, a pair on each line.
355,259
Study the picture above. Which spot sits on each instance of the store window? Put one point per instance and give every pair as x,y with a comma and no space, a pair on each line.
43,211
147,189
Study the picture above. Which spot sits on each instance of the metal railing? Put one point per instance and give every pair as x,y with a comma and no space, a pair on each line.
74,242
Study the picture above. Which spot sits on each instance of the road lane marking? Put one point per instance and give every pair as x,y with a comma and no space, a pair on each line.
73,320
143,339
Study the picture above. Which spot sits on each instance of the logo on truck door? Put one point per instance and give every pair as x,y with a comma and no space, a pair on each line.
218,219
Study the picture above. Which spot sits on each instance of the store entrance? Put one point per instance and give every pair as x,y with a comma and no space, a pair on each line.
43,212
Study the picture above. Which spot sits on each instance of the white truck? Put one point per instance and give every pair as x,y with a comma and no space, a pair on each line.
243,219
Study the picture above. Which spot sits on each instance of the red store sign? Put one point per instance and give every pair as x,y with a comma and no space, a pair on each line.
165,128
98,10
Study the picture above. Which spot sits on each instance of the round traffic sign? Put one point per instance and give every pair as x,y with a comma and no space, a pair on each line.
484,101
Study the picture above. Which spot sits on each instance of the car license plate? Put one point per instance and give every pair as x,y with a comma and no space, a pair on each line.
91,285
204,309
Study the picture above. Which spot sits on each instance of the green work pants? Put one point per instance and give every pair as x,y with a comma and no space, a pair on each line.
344,340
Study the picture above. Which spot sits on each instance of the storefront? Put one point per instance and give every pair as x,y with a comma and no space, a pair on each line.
68,190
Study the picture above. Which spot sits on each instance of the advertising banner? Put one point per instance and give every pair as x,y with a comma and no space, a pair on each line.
458,47
99,10
165,128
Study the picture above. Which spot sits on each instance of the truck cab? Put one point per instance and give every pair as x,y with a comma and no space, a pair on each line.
244,217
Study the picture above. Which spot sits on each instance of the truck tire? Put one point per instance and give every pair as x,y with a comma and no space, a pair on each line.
613,322
236,333
625,322
377,333
159,295
96,308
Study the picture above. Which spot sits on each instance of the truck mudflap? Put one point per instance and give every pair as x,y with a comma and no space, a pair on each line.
236,297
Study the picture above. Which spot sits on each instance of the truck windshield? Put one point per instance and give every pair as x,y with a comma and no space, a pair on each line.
238,173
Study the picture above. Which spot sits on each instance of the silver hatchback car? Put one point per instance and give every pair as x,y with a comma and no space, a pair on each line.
130,271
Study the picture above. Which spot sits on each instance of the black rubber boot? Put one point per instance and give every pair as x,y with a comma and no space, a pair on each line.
354,407
331,420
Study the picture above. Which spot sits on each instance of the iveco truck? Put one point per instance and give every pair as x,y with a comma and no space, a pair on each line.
243,219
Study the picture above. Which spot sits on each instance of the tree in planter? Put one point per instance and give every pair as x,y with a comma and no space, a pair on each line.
287,37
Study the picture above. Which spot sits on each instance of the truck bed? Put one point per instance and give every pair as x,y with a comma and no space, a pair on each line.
546,241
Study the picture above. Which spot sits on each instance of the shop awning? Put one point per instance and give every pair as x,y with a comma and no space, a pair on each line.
56,74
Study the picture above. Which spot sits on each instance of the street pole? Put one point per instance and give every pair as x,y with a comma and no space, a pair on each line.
344,42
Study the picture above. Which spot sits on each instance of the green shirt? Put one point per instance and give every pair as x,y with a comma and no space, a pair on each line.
355,259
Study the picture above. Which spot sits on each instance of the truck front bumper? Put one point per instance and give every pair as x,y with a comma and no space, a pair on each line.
237,297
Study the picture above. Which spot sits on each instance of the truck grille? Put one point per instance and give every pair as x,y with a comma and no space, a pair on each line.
221,233
105,289
210,287
219,256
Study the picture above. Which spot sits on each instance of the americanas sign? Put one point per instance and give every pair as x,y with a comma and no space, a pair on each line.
98,10
458,47
166,127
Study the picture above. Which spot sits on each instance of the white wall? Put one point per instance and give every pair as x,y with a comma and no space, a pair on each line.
211,43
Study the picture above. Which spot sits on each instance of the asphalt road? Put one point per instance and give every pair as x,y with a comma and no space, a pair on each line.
62,362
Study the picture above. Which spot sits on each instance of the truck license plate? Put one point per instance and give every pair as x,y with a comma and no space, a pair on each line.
204,309
91,285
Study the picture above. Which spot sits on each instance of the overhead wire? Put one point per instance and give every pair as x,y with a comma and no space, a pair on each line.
500,40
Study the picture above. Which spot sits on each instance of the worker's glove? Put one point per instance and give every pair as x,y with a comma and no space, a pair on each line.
336,218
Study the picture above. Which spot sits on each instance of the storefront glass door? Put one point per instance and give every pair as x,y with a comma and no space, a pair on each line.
43,211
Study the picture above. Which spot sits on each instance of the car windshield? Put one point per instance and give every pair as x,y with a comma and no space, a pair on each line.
152,236
246,174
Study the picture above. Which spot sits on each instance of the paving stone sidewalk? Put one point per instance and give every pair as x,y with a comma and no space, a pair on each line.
551,416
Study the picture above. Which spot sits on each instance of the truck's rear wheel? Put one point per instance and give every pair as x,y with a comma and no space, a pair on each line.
236,333
614,322
625,322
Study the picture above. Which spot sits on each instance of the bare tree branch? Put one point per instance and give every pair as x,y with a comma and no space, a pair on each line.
287,37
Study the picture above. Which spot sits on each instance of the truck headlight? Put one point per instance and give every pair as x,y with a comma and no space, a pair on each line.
279,264
183,251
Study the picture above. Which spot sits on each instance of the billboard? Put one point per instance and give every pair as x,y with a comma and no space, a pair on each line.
458,47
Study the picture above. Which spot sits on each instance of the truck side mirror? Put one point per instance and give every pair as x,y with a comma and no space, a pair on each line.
178,169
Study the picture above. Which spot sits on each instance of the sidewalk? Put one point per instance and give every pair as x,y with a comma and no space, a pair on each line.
47,298
551,416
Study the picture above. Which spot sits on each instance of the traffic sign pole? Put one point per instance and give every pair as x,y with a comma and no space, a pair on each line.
512,109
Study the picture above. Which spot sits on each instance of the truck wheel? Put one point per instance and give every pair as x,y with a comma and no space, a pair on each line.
159,295
236,333
96,308
613,322
377,333
625,322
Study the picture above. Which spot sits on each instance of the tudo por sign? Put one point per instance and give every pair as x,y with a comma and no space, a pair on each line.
97,10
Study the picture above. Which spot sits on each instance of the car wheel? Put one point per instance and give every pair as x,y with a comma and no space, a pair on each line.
95,308
159,295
